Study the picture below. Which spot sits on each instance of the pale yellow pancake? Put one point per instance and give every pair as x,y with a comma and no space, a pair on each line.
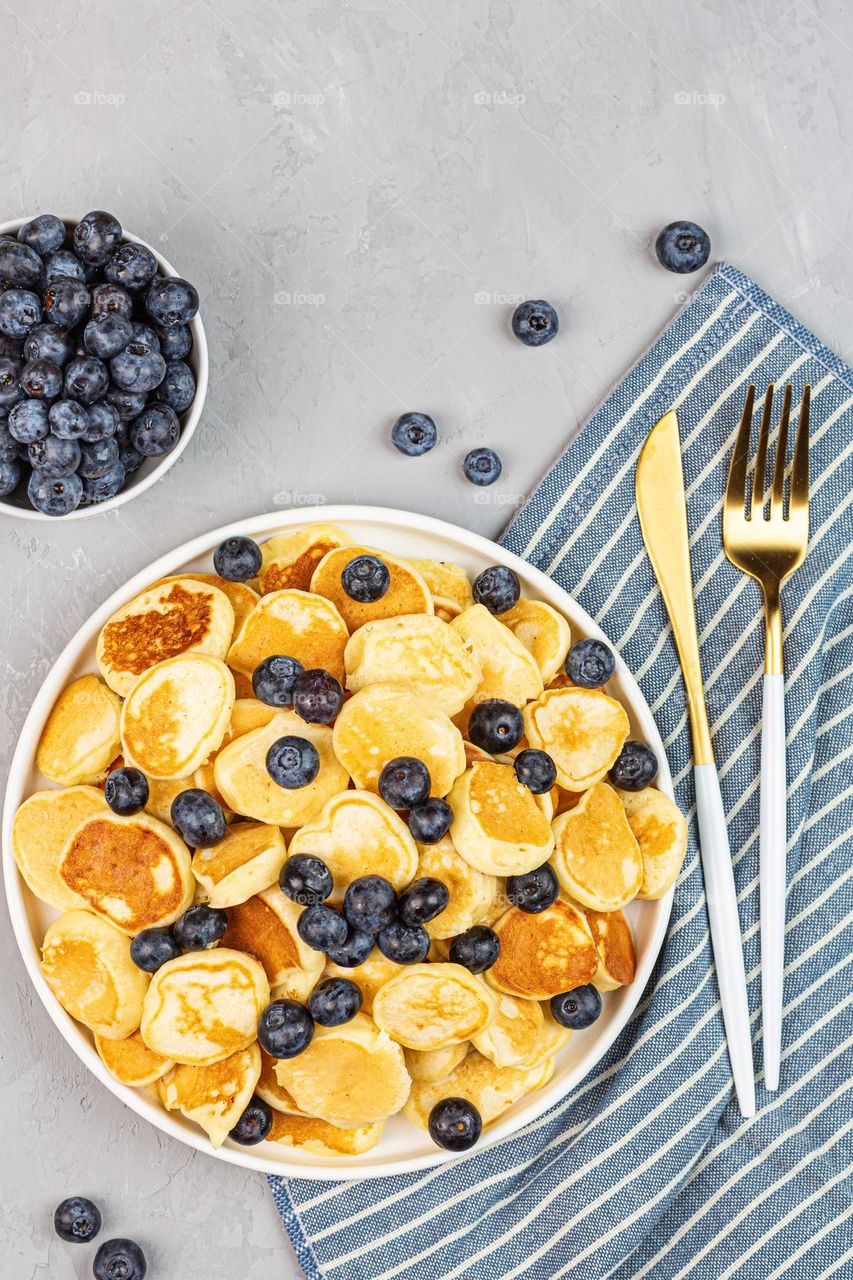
265,927
368,977
430,1065
273,1094
660,829
214,1096
507,669
425,655
289,559
176,715
86,963
433,1006
583,730
523,1034
596,857
40,832
498,826
308,1133
357,834
492,1089
615,946
295,624
448,582
407,592
472,893
131,1061
543,954
81,736
543,631
247,861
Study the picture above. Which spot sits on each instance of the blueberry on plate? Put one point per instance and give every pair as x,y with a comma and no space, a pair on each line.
54,496
590,663
366,579
54,457
44,234
28,421
635,767
66,302
305,879
119,1260
111,299
171,301
198,818
137,368
455,1124
423,900
126,791
86,379
77,1220
535,323
370,904
498,588
62,264
107,486
535,770
414,434
254,1124
354,950
11,390
273,679
476,949
176,342
430,822
133,266
48,342
200,927
95,237
103,421
482,466
177,389
106,335
293,762
285,1028
68,419
495,726
41,379
404,943
334,1001
20,309
155,431
237,559
404,782
20,265
10,476
321,927
682,247
152,948
317,696
533,891
576,1009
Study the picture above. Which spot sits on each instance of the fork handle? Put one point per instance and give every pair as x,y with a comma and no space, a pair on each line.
772,872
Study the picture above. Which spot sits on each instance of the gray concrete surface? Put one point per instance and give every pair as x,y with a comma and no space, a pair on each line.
360,191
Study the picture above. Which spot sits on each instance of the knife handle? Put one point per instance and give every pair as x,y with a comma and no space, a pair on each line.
725,931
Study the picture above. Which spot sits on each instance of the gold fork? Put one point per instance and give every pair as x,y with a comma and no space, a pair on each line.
769,548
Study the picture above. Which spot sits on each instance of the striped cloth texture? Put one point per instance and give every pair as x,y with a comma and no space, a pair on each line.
647,1168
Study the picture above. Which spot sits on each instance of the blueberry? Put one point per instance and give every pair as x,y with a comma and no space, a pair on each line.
293,762
237,559
95,237
200,927
127,404
10,476
20,309
119,1260
430,822
86,379
590,663
354,950
177,389
11,348
48,342
106,335
77,1220
62,264
133,266
126,791
422,901
635,767
273,679
536,770
254,1124
404,943
44,234
535,323
176,342
102,421
576,1009
41,379
334,1001
156,431
495,726
28,420
66,302
533,891
11,390
9,446
366,579
106,486
54,457
136,368
111,299
414,434
497,588
370,904
68,419
171,301
404,782
455,1124
682,247
305,879
321,927
97,459
145,336
198,818
20,265
285,1028
482,466
152,948
476,949
317,696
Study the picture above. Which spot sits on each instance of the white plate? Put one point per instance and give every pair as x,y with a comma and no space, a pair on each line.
404,1147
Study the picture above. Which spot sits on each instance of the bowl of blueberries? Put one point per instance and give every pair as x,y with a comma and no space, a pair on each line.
103,365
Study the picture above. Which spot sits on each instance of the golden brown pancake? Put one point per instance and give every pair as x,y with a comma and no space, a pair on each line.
615,946
543,631
498,826
86,963
433,1006
472,893
368,977
324,1139
407,592
357,834
507,669
544,954
248,714
448,583
492,1089
293,623
596,857
176,715
265,927
660,829
271,1091
583,730
289,559
81,736
214,1096
131,1061
246,862
426,656
40,832
431,1065
243,598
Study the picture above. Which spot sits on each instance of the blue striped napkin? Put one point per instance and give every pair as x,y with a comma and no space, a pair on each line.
647,1168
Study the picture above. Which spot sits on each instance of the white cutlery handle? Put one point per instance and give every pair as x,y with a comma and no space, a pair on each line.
772,872
725,931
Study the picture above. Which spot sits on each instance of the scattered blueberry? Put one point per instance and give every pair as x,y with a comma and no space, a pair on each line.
172,301
111,299
455,1124
404,782
102,421
62,264
293,762
97,459
10,476
237,559
151,949
86,379
28,420
590,663
430,822
126,791
77,1220
119,1260
285,1029
198,818
54,457
107,486
44,234
176,342
535,323
576,1009
137,368
66,302
106,335
354,950
254,1124
133,266
317,696
476,949
482,466
200,927
422,901
536,770
370,904
155,431
273,679
414,434
635,767
95,237
305,879
334,1001
495,726
20,309
533,891
366,579
498,588
404,943
177,389
321,927
682,247
41,379
20,265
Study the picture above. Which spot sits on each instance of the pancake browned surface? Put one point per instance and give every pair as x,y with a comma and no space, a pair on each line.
294,623
318,1136
583,730
81,735
243,598
407,592
274,1094
357,834
498,825
660,829
369,977
433,1006
176,715
492,1089
544,954
507,669
615,946
86,963
131,1061
40,832
543,631
245,862
213,1096
596,856
289,559
472,893
265,927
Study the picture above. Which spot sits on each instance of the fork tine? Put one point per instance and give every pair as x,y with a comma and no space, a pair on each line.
736,484
800,473
781,454
761,454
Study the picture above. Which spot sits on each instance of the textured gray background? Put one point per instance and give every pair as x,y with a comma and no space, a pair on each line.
359,190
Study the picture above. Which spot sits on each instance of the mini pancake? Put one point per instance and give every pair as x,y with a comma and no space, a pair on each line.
543,631
248,714
134,872
583,730
289,559
492,1089
40,832
368,977
350,1076
214,1096
243,598
86,963
522,1034
384,721
544,954
433,1006
308,1133
430,1065
265,927
161,794
81,736
357,834
472,893
660,829
245,862
179,615
596,857
448,582
294,623
203,1006
498,827
615,946
508,670
425,655
131,1061
176,715
407,591
241,776
273,1094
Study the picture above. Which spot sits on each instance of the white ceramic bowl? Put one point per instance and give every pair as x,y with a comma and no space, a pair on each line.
152,469
403,1147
